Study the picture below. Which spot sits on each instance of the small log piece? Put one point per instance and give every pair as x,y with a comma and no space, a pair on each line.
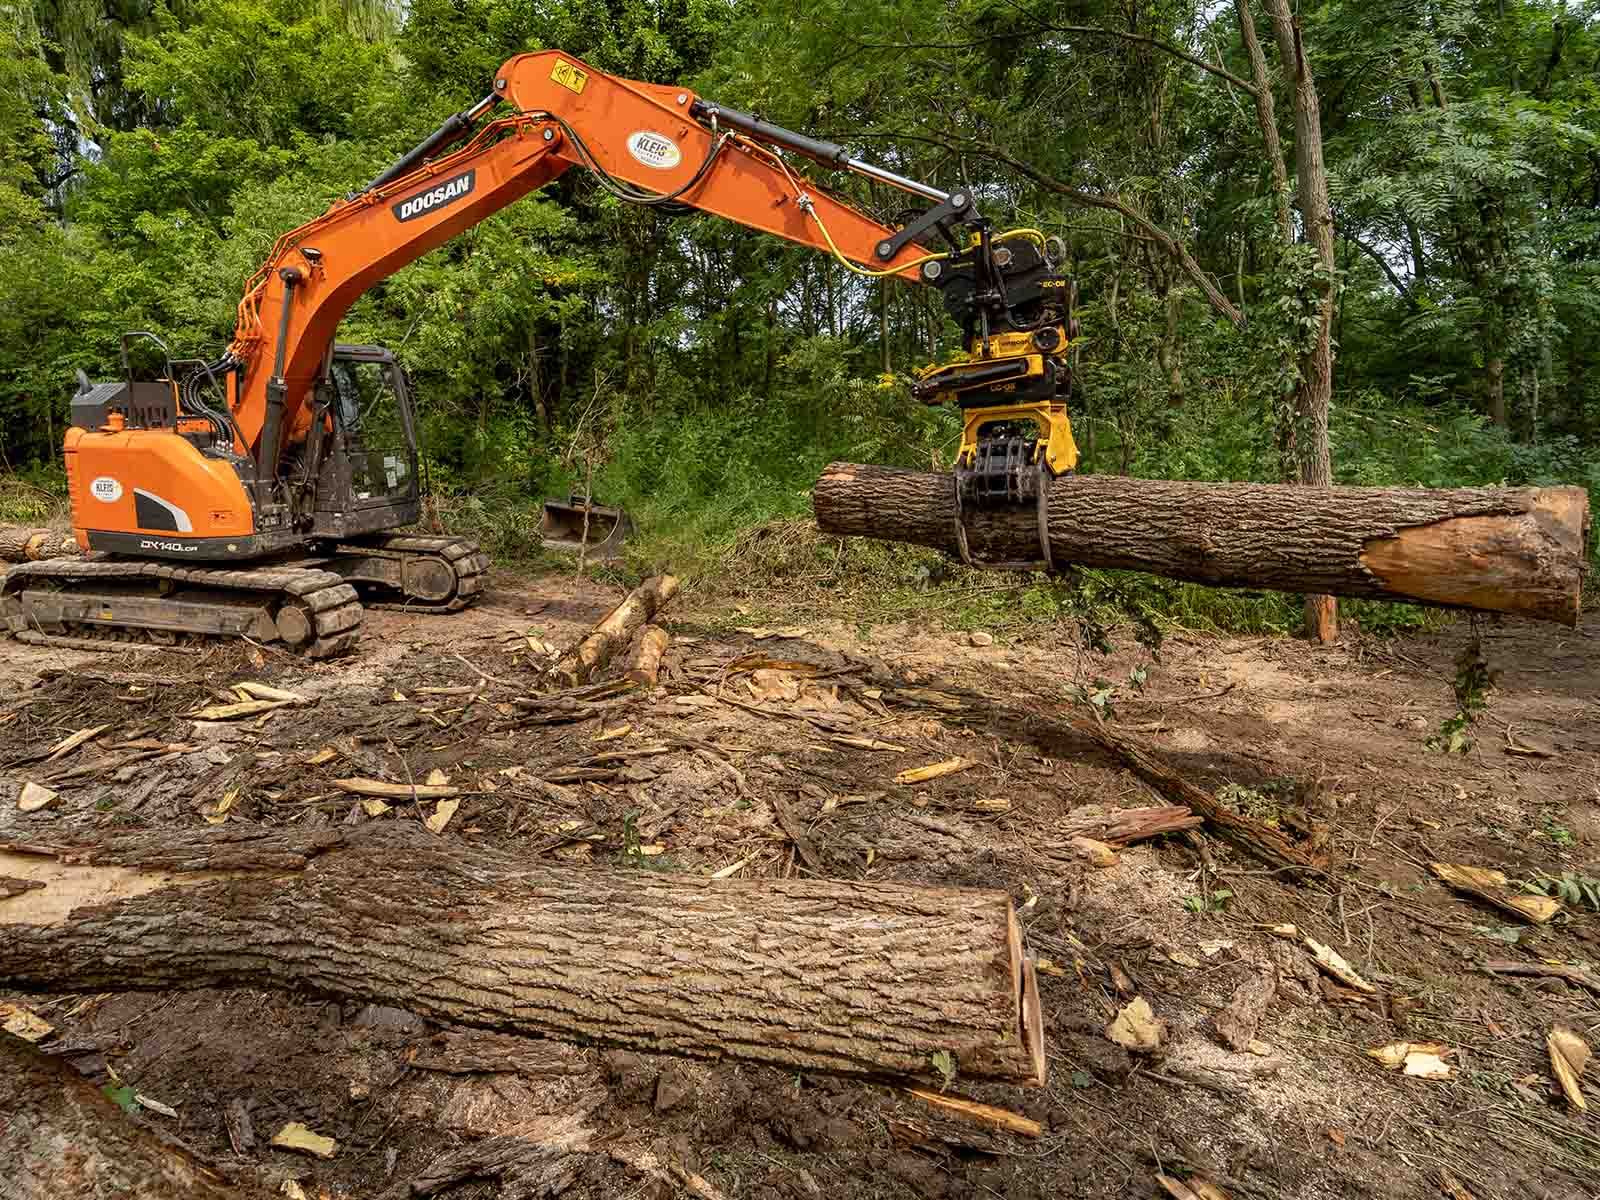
615,630
644,663
30,545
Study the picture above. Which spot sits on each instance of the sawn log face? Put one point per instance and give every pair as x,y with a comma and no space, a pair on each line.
857,978
1517,550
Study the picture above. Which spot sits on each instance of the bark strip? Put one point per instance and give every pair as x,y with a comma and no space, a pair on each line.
855,978
1513,550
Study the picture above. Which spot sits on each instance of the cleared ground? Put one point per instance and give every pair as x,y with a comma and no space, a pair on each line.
1327,745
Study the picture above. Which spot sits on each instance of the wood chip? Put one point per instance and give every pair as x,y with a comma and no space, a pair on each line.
219,814
865,743
395,791
72,741
611,735
238,711
326,755
977,1112
295,1136
1422,1059
1492,887
1137,1028
1453,1187
35,796
733,868
1334,964
23,1023
442,812
373,807
1096,853
1569,1054
933,770
992,804
437,778
1193,1188
264,691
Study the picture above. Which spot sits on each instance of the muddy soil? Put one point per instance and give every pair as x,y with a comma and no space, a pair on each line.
1328,745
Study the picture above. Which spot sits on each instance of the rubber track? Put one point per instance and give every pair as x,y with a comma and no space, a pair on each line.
470,564
333,604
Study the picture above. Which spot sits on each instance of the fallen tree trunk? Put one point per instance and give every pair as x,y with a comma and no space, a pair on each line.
18,544
1515,550
855,978
60,1137
615,630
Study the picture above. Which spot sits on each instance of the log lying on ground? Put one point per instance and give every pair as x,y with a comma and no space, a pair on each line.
615,630
18,544
60,1137
854,978
1514,550
644,663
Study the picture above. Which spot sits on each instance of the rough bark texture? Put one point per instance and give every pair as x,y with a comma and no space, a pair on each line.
1308,440
644,663
1515,550
60,1138
854,978
18,544
615,630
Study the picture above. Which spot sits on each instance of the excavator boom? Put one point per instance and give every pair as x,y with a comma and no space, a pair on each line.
664,144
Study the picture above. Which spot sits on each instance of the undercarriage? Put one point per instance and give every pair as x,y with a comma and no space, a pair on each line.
309,603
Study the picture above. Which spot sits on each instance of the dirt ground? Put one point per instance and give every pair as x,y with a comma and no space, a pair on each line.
1329,745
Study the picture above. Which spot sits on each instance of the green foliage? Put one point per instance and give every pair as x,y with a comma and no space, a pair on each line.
944,1063
1570,887
702,374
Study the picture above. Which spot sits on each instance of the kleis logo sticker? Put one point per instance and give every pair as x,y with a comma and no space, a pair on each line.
436,197
106,488
654,150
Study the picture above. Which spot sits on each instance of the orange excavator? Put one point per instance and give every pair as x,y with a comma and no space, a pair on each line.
260,495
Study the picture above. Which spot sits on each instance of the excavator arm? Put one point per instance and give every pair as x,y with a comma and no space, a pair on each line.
649,143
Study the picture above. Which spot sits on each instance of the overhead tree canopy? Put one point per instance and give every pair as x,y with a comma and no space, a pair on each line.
152,151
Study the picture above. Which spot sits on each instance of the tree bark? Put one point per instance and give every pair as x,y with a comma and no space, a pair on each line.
1267,119
853,978
1514,550
1309,433
19,544
615,630
61,1137
644,663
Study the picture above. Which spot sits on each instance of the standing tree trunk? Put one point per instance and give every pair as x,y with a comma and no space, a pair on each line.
1267,118
1308,433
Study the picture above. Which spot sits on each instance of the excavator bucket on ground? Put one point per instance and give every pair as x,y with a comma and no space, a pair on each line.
576,522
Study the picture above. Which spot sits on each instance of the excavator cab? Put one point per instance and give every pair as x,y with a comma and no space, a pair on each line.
365,444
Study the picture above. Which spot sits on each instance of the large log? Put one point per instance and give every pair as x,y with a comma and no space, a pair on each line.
1513,550
61,1137
855,978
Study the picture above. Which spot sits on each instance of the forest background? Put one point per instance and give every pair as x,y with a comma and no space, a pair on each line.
1435,304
